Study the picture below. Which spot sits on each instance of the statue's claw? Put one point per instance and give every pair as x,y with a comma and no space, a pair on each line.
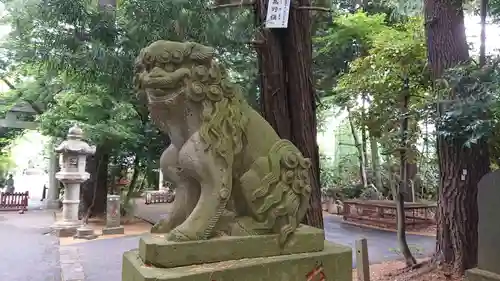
177,236
163,226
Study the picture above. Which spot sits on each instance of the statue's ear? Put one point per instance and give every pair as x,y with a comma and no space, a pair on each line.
200,53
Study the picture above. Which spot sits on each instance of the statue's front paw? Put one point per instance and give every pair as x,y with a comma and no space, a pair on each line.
162,226
177,236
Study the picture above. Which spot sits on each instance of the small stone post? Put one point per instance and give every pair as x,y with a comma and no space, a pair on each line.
52,199
72,159
113,216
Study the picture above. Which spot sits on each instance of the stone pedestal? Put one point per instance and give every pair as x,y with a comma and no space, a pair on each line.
244,258
488,256
477,274
113,216
85,232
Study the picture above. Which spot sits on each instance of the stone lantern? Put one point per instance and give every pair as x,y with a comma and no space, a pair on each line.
72,160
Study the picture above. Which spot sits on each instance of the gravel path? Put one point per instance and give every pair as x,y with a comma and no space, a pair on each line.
28,254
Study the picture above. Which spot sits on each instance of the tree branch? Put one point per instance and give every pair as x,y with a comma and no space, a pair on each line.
313,8
233,5
35,107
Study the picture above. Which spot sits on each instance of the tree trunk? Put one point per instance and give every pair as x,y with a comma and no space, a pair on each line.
404,175
401,230
364,137
377,174
133,181
457,214
482,46
403,179
288,98
357,144
94,191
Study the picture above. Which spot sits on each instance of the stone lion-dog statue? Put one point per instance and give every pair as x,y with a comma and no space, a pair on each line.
232,173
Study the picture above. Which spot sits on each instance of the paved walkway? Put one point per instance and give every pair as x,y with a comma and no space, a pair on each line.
102,259
382,245
28,252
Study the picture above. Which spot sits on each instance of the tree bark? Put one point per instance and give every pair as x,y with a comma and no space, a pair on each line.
482,47
133,181
94,191
359,147
288,97
377,174
457,214
364,136
399,195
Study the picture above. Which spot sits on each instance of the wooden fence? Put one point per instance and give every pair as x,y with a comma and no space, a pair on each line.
382,213
154,197
14,201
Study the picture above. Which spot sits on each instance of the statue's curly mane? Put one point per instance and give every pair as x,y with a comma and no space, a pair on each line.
223,122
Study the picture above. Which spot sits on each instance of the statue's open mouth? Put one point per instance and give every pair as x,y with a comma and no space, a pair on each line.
165,87
163,96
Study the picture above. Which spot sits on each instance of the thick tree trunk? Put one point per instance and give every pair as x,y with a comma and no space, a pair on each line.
461,168
94,191
288,98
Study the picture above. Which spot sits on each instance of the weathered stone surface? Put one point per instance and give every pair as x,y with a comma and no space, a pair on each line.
488,227
113,211
155,249
113,230
64,232
258,183
85,232
477,274
333,263
72,159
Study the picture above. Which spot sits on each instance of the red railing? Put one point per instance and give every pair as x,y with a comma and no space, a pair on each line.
153,197
14,201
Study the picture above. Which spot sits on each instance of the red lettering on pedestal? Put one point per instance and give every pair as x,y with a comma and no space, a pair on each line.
317,271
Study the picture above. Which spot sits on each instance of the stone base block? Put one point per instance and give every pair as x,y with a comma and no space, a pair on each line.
334,262
64,231
113,230
156,250
477,274
85,233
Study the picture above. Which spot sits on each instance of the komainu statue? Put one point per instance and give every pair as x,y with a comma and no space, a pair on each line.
233,174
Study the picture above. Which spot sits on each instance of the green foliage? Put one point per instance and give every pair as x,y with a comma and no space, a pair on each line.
75,60
470,108
385,56
389,55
